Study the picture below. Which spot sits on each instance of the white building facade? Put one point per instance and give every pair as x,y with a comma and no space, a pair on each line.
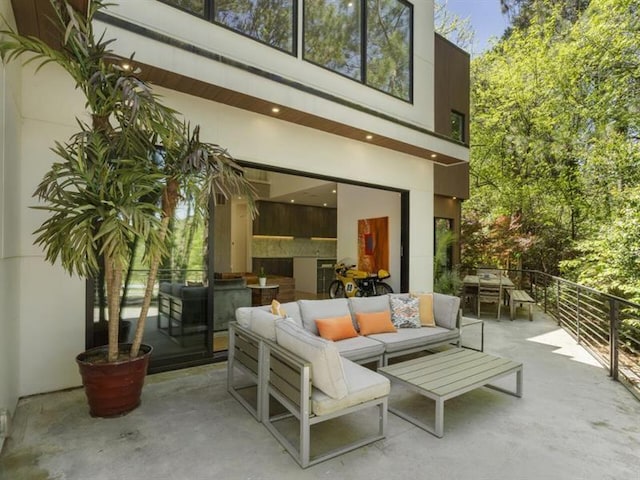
334,120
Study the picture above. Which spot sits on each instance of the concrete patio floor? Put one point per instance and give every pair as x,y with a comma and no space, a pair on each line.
573,422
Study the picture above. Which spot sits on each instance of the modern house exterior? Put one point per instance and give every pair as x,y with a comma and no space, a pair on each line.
323,89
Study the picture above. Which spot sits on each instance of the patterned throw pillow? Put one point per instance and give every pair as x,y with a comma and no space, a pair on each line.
405,312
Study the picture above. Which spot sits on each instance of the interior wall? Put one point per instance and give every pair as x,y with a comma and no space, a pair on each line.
356,203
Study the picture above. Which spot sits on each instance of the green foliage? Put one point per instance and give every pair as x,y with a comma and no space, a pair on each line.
555,143
447,278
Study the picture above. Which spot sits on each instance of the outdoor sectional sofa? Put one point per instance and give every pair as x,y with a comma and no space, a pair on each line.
279,354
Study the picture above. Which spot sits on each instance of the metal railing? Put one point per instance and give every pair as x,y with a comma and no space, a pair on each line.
606,325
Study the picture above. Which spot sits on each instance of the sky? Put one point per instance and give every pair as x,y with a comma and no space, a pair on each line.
486,19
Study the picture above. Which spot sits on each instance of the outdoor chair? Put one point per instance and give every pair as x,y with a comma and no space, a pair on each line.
288,380
490,292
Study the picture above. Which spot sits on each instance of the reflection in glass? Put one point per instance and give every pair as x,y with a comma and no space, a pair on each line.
388,63
269,21
457,126
193,6
332,35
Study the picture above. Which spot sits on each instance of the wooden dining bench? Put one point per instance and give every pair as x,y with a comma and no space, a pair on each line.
520,297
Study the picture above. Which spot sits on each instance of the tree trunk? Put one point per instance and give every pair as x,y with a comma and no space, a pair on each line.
113,274
169,202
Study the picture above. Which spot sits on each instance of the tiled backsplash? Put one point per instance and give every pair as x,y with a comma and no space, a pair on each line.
293,247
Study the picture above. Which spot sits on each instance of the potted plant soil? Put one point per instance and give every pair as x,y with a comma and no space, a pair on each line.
115,181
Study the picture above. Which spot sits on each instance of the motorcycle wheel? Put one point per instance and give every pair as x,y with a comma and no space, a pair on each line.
336,289
382,289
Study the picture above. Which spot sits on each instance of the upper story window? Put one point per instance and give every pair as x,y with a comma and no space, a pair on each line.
196,7
457,126
268,21
370,41
367,40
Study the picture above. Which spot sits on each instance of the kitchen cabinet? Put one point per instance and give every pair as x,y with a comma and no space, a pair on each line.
303,221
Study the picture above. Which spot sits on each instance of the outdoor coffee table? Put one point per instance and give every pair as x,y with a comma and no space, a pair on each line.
446,375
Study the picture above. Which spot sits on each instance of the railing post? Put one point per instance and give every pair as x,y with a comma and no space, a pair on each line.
614,321
546,286
578,313
558,302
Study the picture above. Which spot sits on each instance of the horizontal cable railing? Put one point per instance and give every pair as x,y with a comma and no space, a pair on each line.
606,325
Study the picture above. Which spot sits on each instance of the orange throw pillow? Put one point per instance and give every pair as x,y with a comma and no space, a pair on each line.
336,328
425,308
376,322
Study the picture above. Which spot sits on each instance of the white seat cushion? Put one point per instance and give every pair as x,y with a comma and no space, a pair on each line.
362,385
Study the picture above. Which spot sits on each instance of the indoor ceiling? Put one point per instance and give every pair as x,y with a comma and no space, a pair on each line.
287,188
320,196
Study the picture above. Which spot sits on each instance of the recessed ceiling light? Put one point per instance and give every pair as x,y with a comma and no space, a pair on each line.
324,204
433,155
455,198
293,201
333,191
369,137
275,110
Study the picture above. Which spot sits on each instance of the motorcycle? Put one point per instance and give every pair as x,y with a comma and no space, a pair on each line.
351,282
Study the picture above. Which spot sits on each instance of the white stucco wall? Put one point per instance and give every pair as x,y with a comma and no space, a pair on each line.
9,273
51,313
42,322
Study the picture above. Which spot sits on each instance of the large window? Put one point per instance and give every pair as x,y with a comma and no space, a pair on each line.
389,28
196,7
367,40
269,21
370,41
333,35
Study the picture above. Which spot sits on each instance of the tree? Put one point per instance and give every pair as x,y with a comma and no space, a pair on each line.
455,29
555,144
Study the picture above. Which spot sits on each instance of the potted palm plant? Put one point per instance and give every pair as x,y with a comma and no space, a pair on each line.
110,186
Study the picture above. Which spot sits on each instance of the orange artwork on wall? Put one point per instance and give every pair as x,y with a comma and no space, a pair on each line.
373,244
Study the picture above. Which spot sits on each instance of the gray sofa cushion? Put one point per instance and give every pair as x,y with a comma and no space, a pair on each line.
360,348
445,310
310,310
292,310
264,323
408,338
326,365
367,305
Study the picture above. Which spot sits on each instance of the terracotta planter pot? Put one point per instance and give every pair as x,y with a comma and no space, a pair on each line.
113,389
